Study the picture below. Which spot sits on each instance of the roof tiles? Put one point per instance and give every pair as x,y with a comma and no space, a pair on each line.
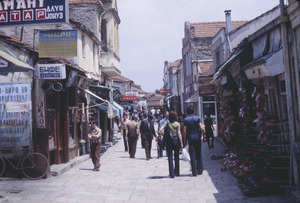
210,29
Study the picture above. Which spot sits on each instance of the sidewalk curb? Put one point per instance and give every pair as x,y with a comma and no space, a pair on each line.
59,169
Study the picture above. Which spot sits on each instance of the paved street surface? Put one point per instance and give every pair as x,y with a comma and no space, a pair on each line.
122,179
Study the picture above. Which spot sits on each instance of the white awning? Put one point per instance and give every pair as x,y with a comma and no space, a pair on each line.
93,94
266,66
193,99
16,65
234,56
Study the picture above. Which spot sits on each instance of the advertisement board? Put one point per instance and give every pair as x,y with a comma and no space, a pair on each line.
129,98
57,43
165,91
51,71
15,114
27,12
207,90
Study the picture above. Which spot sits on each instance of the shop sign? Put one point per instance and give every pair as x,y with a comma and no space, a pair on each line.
51,71
3,64
15,114
57,43
207,90
30,12
18,106
129,98
41,120
131,93
165,91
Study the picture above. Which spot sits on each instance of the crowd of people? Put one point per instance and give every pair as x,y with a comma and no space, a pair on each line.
173,134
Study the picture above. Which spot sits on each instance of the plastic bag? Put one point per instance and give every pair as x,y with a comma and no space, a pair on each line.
186,154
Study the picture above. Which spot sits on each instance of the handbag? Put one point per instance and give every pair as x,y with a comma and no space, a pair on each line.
168,134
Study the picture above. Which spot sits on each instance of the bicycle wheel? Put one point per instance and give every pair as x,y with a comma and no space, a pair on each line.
34,165
2,165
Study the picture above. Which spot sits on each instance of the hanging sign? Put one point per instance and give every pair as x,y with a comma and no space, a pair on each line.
51,71
28,12
165,91
129,98
207,90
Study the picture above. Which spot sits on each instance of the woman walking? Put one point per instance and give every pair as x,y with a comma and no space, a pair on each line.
173,144
193,129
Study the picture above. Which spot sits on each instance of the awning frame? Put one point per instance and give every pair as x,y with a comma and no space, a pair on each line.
192,98
15,64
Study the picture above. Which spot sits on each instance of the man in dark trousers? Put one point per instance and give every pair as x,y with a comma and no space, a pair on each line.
95,138
147,133
132,135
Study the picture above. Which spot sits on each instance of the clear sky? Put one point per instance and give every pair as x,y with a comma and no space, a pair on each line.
151,31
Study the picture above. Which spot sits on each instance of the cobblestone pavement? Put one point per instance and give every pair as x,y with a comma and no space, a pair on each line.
122,179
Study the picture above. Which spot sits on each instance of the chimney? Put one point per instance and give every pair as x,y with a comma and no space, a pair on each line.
228,20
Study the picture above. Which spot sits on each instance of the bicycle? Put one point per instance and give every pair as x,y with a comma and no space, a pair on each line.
33,165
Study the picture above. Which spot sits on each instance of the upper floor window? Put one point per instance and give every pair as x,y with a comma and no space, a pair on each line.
104,35
188,70
83,45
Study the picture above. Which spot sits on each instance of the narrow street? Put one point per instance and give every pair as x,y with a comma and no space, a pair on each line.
122,179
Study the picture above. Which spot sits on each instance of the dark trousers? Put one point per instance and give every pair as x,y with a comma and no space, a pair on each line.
160,149
132,140
147,141
170,148
195,154
95,154
125,141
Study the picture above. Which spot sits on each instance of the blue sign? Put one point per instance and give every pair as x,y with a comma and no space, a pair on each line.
25,12
57,43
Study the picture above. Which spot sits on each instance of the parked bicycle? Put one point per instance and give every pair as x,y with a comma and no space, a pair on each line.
33,165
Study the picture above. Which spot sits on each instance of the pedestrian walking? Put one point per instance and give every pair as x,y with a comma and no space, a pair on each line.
193,129
180,121
174,144
160,145
209,128
123,128
147,133
132,135
94,136
142,118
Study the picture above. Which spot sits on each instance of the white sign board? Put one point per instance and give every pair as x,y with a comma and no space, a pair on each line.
131,93
15,114
51,71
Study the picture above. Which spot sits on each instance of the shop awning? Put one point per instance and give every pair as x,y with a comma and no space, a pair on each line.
106,108
231,59
93,94
265,66
120,108
126,106
192,99
15,65
101,87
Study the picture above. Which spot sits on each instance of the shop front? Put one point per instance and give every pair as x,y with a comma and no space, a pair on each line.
60,119
253,117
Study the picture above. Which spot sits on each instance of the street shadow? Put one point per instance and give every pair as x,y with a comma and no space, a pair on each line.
158,177
86,169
